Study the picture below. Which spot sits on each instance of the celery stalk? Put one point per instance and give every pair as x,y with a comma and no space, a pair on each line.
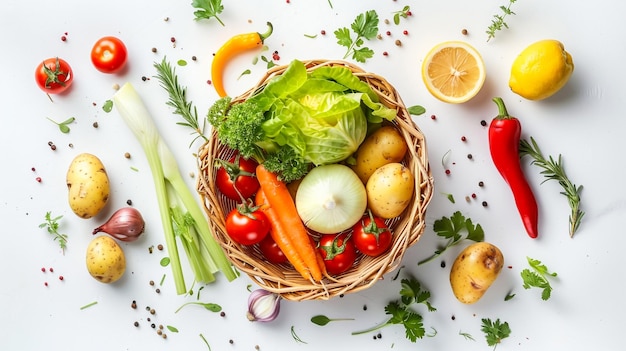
165,173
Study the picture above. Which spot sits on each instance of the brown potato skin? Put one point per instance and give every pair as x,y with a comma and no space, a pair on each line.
390,190
474,270
385,145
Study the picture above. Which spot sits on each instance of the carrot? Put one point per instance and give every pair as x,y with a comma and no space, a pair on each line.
280,236
281,202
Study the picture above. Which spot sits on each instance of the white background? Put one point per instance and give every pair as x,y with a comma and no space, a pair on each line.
583,122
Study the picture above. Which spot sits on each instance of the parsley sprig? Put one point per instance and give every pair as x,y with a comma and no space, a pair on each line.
451,229
538,277
365,27
495,331
208,9
497,23
166,74
400,311
64,126
554,170
52,226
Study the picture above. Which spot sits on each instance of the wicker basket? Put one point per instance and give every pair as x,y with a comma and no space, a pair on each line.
283,278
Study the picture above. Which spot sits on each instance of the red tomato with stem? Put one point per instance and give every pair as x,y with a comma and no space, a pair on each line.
270,250
237,176
338,252
54,75
371,235
109,54
247,225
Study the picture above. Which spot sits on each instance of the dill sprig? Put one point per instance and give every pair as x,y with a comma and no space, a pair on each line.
178,99
553,170
497,23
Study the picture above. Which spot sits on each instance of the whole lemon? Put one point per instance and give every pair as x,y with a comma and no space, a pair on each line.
541,70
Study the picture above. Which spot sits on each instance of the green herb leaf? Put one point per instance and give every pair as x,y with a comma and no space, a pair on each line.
401,313
165,261
467,336
404,13
52,226
451,229
554,170
416,110
495,331
166,75
172,329
497,23
365,27
213,307
63,126
538,278
322,320
208,9
108,106
295,336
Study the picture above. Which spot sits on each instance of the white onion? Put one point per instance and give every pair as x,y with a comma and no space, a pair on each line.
331,199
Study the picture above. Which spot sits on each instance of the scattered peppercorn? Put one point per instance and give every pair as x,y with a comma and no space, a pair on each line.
158,291
473,195
398,42
159,332
147,308
379,335
133,305
152,311
150,248
385,53
152,326
136,324
323,32
154,49
447,171
38,179
95,124
231,341
433,117
453,317
405,32
51,269
469,156
63,38
481,184
194,58
443,264
463,138
43,269
483,123
222,314
152,282
388,33
129,202
127,155
61,277
364,307
144,78
160,247
70,145
173,40
464,31
164,336
484,203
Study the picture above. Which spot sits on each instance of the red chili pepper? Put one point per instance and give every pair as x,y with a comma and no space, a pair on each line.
504,139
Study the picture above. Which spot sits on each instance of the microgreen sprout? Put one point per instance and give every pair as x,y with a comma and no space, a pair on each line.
52,226
63,126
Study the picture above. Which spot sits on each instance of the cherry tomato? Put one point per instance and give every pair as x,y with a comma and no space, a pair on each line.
109,54
54,75
371,235
338,252
238,173
271,251
247,225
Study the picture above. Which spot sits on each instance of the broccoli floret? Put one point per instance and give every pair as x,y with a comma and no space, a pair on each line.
238,126
287,164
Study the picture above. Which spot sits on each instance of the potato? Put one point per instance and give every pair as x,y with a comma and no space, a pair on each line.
105,259
474,270
87,185
389,190
384,146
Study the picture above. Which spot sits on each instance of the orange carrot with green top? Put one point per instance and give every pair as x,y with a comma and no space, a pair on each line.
280,201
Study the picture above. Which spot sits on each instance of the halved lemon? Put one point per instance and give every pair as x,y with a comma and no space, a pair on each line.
453,71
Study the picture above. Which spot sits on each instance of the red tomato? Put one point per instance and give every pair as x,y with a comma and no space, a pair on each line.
54,75
109,54
246,225
238,173
338,252
271,251
371,236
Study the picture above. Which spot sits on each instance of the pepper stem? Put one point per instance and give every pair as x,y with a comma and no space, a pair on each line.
502,112
270,29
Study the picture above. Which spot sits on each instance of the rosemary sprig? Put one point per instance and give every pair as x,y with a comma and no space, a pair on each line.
553,170
497,23
178,98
